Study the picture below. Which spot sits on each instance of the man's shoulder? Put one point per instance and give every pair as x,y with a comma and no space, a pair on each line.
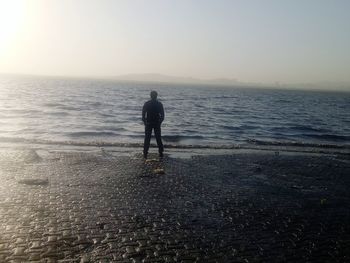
153,102
147,102
156,104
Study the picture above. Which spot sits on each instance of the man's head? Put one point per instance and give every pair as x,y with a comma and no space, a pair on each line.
154,95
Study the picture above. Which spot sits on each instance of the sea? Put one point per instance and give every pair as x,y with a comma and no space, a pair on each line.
93,112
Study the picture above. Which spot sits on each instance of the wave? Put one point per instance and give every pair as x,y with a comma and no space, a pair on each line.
177,138
328,137
304,128
165,138
91,134
107,144
296,144
96,104
224,97
69,108
52,104
106,115
248,127
111,128
60,113
250,144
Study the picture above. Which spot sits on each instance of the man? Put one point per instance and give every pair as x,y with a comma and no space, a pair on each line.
152,117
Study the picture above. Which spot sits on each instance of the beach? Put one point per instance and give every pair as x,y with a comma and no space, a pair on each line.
239,205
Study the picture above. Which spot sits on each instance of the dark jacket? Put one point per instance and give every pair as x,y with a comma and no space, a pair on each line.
153,112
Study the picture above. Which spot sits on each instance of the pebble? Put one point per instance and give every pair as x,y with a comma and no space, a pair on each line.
159,171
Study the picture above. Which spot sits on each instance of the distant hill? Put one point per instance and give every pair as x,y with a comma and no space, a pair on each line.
341,86
159,78
325,85
151,77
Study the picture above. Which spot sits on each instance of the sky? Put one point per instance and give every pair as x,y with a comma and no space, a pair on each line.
265,41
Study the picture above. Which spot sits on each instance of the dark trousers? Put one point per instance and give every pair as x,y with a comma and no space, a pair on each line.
148,133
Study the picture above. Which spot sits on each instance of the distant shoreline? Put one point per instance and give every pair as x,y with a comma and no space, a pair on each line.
224,83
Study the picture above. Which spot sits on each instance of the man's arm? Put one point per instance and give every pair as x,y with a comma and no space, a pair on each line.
161,113
144,113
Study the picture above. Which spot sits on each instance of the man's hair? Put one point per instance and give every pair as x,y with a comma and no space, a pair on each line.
154,94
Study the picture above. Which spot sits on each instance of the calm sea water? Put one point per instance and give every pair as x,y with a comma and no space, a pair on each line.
101,112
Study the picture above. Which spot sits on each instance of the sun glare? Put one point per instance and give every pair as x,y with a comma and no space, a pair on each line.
11,18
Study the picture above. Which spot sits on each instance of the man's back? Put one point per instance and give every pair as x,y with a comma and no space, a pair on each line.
153,112
152,117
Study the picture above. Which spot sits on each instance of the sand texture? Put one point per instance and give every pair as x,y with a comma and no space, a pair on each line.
243,207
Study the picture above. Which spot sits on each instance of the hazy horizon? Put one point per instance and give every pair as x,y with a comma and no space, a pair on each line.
251,42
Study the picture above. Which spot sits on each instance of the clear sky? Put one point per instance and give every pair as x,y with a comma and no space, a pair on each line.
254,41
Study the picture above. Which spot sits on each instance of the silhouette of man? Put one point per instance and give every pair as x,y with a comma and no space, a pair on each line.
152,117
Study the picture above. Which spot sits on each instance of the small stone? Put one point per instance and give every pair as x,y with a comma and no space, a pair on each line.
52,239
151,161
85,259
19,251
36,245
159,171
130,249
34,181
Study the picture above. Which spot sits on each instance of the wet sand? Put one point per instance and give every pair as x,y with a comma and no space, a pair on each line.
239,206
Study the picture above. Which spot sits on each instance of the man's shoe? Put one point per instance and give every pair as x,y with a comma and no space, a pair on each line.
145,155
161,155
